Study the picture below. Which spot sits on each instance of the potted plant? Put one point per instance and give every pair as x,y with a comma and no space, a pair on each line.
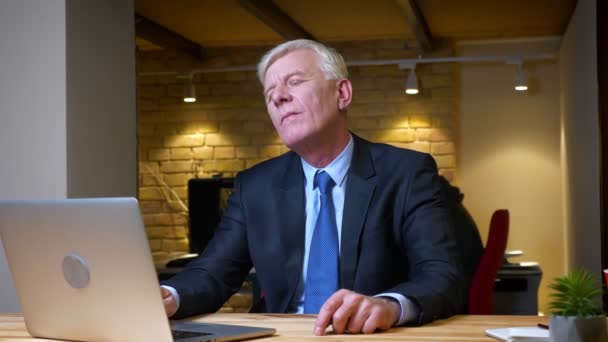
576,313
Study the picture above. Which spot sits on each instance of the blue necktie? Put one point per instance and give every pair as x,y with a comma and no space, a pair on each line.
323,258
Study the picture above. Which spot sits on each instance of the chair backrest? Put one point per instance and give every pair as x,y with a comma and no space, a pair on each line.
482,285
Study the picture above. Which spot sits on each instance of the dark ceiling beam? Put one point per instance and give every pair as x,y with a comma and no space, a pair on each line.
271,15
417,24
161,36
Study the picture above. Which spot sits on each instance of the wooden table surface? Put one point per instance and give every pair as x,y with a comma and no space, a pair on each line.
299,328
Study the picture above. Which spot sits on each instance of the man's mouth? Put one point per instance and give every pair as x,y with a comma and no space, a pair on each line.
288,115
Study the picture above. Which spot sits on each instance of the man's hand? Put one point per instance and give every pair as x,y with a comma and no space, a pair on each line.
353,312
168,301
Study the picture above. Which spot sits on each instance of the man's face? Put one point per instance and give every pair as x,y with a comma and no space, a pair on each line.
302,104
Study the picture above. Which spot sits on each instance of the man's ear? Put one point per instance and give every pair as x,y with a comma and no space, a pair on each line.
345,94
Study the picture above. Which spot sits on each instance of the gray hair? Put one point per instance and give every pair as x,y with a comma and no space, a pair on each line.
331,62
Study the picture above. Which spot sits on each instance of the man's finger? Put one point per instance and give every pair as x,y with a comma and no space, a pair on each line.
342,316
371,324
327,311
350,306
168,302
358,319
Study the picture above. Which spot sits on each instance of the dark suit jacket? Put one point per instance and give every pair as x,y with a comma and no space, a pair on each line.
396,235
467,235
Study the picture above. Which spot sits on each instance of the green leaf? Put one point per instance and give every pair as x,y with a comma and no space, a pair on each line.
575,294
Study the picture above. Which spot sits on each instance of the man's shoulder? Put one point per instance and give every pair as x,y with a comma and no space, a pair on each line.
271,167
382,151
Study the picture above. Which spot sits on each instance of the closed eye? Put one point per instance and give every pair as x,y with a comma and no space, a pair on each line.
295,81
268,94
268,91
268,98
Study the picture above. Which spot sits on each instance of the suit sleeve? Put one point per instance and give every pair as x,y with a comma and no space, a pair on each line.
435,280
209,281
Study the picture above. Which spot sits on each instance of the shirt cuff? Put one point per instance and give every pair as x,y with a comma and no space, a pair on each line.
173,292
409,310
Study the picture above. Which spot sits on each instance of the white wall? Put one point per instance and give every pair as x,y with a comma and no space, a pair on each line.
67,104
580,138
32,109
509,155
32,99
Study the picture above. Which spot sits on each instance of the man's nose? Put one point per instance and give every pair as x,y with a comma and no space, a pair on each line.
280,95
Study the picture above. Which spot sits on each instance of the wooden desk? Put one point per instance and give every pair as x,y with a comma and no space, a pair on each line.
299,328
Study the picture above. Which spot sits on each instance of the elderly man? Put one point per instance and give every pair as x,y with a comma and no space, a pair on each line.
352,230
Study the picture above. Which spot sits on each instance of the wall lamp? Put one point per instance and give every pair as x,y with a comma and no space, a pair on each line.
411,85
521,79
189,89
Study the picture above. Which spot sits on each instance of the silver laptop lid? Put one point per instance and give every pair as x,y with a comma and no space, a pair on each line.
83,269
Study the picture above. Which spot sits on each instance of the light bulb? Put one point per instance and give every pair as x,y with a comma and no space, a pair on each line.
521,79
411,85
189,92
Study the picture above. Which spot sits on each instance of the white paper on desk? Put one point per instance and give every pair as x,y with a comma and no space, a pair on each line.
528,334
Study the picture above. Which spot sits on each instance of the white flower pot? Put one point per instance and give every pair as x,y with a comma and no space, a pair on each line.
578,329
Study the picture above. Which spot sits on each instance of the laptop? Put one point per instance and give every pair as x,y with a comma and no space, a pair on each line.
83,271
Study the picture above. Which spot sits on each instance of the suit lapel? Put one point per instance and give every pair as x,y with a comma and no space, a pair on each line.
292,231
359,191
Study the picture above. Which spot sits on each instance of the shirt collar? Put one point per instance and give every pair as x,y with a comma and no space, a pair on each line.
337,169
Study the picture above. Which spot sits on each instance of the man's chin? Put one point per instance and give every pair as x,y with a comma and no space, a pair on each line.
292,141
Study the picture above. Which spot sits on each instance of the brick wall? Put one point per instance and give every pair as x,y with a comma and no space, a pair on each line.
228,129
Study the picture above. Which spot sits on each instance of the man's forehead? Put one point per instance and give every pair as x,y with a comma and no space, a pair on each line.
300,61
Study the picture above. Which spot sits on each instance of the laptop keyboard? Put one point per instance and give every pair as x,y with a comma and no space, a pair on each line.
179,334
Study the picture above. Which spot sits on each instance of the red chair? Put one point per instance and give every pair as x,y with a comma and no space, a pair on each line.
482,285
